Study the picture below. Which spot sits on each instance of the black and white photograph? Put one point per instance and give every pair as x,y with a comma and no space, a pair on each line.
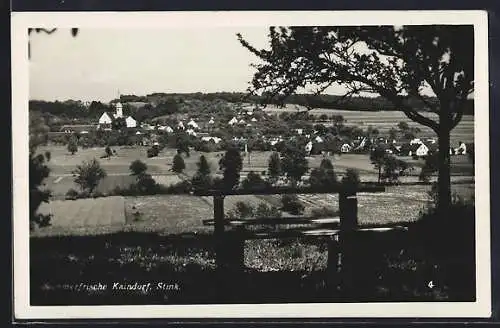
274,164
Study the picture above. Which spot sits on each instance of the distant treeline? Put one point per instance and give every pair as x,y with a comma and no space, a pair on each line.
307,100
168,103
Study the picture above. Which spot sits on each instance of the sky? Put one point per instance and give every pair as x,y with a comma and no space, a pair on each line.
99,63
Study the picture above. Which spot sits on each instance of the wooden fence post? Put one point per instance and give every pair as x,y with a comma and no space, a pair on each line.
348,212
219,231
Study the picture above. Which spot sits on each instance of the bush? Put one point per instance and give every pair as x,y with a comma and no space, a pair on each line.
153,152
183,187
137,167
254,181
146,185
324,212
292,204
178,164
263,211
72,194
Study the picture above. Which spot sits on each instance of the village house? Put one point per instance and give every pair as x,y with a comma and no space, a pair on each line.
233,121
345,148
130,122
193,125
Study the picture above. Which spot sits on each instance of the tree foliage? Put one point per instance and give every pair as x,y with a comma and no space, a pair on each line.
72,146
294,162
398,63
88,175
231,164
138,167
324,176
274,167
178,164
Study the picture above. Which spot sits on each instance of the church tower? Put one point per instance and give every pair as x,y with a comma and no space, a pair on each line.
118,108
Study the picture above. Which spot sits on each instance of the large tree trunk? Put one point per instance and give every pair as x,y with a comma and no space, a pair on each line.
444,181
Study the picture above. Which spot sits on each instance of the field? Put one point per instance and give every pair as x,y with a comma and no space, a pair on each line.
384,120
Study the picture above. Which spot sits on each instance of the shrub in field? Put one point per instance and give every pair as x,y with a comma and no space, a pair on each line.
241,210
263,211
72,194
72,146
138,167
183,187
253,180
146,185
292,204
108,151
178,164
88,175
393,168
153,151
324,212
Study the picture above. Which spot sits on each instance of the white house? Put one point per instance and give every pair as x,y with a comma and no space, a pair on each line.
193,124
462,149
415,141
254,119
130,122
309,147
242,121
169,129
318,139
299,131
422,150
191,132
345,148
234,120
214,139
105,119
180,125
211,121
138,132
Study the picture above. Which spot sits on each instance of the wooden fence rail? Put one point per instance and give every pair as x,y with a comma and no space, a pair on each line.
337,230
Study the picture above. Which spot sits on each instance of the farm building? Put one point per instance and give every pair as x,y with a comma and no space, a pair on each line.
233,121
130,122
105,119
462,148
345,148
419,150
211,139
180,125
192,124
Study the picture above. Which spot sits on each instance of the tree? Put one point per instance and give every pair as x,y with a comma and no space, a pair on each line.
109,152
430,167
203,166
72,147
393,168
182,143
324,176
231,164
88,175
178,164
138,167
118,124
202,178
399,63
403,126
294,162
274,168
377,157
